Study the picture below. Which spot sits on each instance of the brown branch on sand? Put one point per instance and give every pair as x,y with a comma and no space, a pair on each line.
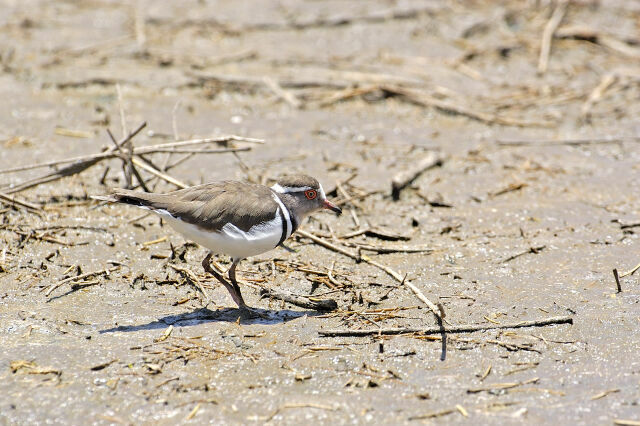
152,149
617,278
569,142
606,82
425,100
533,250
191,277
630,271
127,162
363,258
159,174
78,277
74,168
463,328
307,302
405,177
547,35
81,163
8,199
285,95
600,37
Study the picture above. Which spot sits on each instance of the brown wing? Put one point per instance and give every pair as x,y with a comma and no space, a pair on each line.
211,206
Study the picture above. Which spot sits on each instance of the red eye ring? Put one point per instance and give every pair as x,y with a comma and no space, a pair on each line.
310,194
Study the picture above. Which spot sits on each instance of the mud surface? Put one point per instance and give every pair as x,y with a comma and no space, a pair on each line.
355,92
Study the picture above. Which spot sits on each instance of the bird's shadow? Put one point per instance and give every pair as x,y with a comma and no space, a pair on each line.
205,315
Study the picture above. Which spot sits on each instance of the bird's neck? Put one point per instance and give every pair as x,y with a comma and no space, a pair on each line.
291,204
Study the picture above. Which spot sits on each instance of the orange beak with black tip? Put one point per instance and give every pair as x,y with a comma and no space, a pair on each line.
329,205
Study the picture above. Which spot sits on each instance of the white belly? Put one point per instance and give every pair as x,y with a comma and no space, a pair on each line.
231,240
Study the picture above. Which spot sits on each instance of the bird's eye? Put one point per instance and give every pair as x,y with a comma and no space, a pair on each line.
310,194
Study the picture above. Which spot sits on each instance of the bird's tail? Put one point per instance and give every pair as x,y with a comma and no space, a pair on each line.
125,196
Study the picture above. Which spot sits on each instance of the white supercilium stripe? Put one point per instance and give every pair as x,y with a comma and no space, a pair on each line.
322,195
287,189
287,216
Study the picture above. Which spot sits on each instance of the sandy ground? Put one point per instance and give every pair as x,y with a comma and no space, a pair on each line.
534,205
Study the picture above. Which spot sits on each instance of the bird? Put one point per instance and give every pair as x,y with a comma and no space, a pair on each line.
233,218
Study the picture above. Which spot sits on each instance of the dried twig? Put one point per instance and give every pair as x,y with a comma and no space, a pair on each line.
363,258
285,95
571,142
533,250
159,174
110,153
436,311
502,386
617,278
426,100
127,164
386,250
602,38
302,301
467,328
434,414
405,177
326,244
198,151
191,277
606,82
78,166
17,202
623,422
630,271
357,197
78,277
547,35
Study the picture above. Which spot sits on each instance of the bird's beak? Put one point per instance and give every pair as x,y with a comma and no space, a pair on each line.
329,205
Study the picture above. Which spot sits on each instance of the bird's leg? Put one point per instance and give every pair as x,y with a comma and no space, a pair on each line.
232,276
233,289
247,311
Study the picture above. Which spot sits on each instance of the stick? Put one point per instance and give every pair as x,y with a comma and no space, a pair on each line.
426,301
547,35
615,275
363,258
302,301
14,201
467,328
599,37
405,177
357,197
219,139
43,237
607,81
624,422
338,21
158,173
127,155
197,151
425,100
326,244
502,386
383,250
141,150
571,142
534,250
77,167
192,277
630,271
77,277
126,159
285,95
